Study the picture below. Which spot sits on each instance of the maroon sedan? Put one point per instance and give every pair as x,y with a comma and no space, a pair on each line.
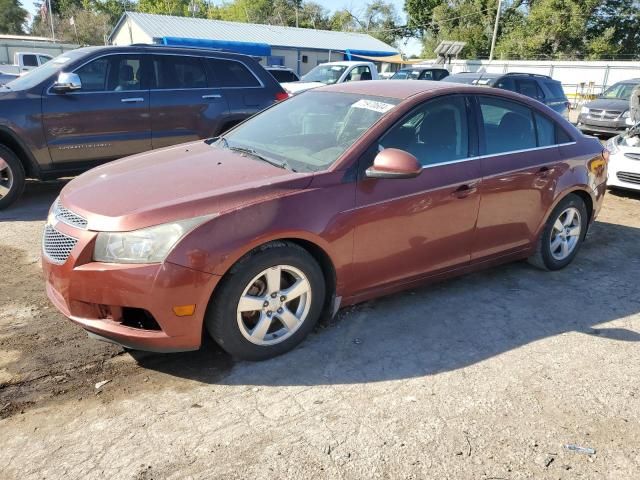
332,197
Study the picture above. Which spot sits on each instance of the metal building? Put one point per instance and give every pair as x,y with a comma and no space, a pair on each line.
300,49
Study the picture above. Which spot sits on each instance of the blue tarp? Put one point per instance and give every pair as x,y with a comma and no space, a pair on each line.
248,48
357,54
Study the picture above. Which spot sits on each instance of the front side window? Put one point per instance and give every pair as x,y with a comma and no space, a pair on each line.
506,83
309,131
435,132
93,75
231,74
427,75
359,73
43,59
177,72
508,126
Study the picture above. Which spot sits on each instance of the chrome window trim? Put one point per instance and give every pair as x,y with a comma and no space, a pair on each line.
157,89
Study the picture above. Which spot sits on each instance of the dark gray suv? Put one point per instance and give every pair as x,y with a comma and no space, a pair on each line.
96,104
540,87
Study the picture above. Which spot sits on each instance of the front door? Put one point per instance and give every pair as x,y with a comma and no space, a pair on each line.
408,228
185,106
107,118
520,165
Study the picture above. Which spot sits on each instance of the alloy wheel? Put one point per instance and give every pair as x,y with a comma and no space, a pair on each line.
565,233
274,305
6,178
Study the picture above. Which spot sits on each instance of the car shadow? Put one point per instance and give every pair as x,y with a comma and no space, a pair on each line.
450,325
35,201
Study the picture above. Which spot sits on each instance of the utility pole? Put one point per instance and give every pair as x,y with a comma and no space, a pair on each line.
495,31
53,32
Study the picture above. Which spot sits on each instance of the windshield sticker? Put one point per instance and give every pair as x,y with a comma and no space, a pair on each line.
373,105
60,60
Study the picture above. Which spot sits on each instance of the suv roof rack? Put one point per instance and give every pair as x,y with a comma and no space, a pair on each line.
539,75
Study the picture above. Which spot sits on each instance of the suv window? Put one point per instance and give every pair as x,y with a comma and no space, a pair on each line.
229,73
426,75
93,75
508,126
506,83
529,88
177,72
435,132
111,73
29,60
556,89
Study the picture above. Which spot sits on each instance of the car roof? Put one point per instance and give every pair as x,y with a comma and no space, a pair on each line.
423,67
399,89
154,47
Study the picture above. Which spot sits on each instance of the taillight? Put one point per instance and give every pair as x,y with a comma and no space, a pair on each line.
281,96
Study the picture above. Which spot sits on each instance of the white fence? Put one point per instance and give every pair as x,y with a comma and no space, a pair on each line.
571,73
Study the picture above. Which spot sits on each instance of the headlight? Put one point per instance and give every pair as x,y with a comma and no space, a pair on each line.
612,145
148,245
584,111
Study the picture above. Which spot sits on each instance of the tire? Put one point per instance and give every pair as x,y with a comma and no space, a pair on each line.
557,248
12,177
278,323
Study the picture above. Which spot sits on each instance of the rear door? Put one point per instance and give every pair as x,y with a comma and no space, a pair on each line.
185,103
520,165
245,93
107,118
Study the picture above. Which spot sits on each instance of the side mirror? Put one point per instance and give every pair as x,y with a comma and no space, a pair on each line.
67,82
394,163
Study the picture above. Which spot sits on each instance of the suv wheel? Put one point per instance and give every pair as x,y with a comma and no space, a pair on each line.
268,303
12,177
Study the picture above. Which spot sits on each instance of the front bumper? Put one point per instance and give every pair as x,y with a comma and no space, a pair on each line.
594,125
93,295
624,172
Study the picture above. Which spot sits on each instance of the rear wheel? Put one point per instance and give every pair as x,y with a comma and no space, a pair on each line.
562,235
12,177
268,303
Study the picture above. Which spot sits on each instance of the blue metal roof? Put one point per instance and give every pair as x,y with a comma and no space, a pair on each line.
248,48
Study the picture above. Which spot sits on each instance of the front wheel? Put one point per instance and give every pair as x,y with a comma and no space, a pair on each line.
12,177
562,235
268,303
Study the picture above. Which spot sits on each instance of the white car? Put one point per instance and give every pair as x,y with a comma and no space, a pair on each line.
333,72
624,160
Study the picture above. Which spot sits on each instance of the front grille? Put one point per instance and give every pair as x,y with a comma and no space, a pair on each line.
67,216
632,156
629,177
598,114
56,245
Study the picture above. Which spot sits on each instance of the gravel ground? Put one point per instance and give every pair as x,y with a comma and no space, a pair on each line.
487,376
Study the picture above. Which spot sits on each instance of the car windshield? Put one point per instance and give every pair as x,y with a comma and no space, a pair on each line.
620,91
33,77
406,75
310,131
327,74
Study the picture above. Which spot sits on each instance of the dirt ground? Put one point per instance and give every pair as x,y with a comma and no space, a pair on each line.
487,376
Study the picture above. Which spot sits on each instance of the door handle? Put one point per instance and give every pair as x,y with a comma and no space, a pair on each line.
213,95
465,190
132,100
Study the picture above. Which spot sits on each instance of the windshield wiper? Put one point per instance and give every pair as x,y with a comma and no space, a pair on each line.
253,153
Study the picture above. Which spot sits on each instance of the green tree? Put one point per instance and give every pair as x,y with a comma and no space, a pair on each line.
12,18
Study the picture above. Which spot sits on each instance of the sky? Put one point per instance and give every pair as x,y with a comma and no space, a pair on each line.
408,47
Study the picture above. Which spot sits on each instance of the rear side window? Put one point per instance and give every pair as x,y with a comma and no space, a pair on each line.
508,126
29,60
530,88
556,89
546,130
176,72
229,73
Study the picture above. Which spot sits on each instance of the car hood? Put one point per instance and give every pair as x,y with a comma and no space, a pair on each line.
297,87
174,183
609,104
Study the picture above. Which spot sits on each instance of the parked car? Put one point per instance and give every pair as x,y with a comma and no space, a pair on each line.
624,163
330,198
24,61
96,104
539,87
283,74
421,72
333,72
609,113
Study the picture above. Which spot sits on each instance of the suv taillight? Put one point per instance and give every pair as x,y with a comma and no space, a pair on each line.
281,96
